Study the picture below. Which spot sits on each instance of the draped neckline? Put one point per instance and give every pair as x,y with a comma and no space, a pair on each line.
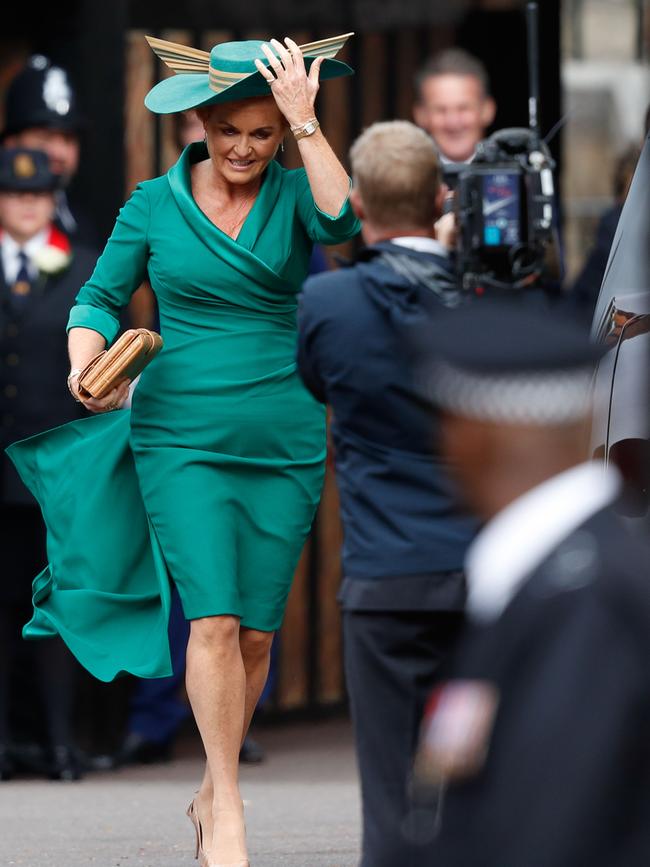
237,252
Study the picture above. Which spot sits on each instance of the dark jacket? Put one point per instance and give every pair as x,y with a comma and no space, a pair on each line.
400,513
566,781
73,220
34,363
584,293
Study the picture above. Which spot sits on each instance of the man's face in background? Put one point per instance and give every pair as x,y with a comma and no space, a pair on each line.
455,111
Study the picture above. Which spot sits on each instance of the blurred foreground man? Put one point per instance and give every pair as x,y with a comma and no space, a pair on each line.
405,536
453,104
540,737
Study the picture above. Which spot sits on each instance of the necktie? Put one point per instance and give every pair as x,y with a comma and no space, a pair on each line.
21,289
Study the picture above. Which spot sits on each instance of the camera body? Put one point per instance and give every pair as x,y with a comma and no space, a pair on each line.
505,213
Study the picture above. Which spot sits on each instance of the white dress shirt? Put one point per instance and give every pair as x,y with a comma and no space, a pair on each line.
421,244
11,249
445,161
516,541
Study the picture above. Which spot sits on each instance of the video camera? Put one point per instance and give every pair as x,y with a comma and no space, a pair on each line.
505,202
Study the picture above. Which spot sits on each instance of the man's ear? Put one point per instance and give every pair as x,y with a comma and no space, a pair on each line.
357,204
488,111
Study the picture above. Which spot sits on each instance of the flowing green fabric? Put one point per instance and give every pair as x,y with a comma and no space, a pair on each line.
212,479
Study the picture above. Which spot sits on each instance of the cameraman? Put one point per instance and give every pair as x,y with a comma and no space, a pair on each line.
405,536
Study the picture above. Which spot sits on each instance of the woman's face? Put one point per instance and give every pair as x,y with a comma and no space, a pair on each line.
243,137
24,214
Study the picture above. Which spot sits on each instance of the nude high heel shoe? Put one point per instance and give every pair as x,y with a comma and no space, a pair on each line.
242,862
193,816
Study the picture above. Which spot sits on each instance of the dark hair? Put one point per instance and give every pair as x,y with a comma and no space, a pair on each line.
624,170
452,61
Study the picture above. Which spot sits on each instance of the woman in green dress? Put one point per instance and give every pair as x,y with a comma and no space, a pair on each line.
212,479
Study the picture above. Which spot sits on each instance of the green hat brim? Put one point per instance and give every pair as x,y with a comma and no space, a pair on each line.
185,91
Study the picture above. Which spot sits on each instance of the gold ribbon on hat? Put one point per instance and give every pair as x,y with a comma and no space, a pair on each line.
183,59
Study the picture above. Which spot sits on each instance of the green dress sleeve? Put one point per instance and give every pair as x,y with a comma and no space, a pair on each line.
324,228
119,271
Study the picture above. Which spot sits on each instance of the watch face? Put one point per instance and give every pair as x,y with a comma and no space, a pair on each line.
308,129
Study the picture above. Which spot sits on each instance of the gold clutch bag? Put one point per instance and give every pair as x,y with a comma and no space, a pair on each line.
126,359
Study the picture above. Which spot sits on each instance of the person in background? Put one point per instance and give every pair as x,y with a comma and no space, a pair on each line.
41,112
453,104
405,534
583,295
41,272
539,736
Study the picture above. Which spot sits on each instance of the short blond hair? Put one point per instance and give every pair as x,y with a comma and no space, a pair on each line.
396,171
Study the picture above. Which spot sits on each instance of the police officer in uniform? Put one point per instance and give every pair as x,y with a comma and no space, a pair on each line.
40,274
41,113
540,734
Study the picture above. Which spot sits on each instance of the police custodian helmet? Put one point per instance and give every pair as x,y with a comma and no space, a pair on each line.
23,170
41,95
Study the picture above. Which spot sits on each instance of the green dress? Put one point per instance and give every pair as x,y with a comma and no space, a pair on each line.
211,480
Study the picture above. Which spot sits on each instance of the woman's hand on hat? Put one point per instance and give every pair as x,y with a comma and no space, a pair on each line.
293,88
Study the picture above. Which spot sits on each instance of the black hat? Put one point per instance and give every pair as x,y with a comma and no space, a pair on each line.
510,363
26,171
40,95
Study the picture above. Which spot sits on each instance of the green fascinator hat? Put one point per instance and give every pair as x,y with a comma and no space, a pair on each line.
228,72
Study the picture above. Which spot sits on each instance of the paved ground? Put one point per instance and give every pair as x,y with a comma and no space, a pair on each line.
302,809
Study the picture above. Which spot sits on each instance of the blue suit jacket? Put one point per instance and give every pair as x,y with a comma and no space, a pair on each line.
405,533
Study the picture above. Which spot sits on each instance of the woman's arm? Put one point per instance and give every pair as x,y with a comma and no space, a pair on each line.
119,270
94,320
295,94
83,345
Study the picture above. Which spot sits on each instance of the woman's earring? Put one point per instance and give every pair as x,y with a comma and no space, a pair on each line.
205,138
282,145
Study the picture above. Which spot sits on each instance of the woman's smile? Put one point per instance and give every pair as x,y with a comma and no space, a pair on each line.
240,164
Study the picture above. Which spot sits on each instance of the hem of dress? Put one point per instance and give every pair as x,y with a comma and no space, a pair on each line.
246,622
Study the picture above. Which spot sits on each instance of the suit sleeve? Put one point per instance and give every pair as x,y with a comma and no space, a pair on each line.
324,228
119,271
309,328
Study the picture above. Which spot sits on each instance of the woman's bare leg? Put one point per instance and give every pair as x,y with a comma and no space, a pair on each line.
216,687
256,655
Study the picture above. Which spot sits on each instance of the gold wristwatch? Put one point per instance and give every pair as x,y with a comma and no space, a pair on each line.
74,372
306,129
